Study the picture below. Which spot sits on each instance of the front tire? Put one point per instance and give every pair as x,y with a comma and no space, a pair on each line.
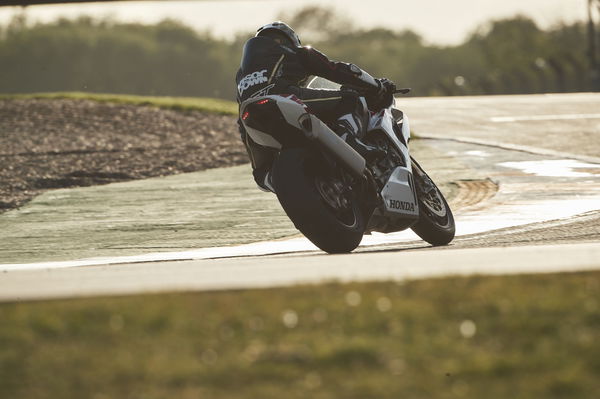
436,223
319,204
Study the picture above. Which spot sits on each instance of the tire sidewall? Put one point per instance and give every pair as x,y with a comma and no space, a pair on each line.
294,174
428,228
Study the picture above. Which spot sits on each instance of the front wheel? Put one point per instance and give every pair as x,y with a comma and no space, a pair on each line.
320,204
436,222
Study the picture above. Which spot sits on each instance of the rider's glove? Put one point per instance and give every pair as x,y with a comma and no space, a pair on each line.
384,96
388,85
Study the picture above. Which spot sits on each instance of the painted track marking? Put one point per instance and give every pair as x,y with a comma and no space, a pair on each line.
556,117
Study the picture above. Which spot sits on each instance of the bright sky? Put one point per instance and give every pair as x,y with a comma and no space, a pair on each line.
438,21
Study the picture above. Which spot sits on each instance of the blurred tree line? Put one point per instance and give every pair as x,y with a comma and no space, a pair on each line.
168,58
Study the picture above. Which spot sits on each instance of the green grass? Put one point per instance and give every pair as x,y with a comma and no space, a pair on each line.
178,103
477,337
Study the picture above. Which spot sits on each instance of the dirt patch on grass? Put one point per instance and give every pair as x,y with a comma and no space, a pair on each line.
47,144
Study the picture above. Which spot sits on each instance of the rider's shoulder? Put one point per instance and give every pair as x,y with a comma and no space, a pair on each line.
311,52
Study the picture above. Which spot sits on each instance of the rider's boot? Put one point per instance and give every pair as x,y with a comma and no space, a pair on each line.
349,128
263,176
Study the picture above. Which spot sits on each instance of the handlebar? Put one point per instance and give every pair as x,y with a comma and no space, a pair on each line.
402,91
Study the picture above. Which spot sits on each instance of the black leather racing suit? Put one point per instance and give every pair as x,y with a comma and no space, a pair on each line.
268,67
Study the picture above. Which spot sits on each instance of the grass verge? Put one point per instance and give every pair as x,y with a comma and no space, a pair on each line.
477,337
178,103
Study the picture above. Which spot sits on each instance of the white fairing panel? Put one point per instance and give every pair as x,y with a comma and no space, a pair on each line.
291,111
406,134
383,121
405,128
398,194
263,139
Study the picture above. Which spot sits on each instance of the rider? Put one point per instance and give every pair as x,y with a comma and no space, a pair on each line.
274,62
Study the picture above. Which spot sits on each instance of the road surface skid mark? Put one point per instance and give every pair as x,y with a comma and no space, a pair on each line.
473,192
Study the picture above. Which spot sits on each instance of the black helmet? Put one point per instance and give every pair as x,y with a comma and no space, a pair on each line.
280,28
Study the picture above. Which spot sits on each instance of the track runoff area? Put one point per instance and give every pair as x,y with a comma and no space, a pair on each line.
537,151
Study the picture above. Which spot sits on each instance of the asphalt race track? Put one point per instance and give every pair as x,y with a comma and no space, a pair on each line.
532,204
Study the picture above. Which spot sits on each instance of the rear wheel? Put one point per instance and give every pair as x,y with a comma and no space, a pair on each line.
436,222
321,204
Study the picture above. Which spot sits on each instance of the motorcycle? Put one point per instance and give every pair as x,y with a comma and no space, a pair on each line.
329,191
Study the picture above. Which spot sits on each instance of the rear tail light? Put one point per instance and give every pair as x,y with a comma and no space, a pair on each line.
246,114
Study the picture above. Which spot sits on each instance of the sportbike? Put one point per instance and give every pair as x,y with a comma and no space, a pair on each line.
329,191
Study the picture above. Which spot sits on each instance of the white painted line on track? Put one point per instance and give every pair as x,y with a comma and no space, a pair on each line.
512,147
248,273
468,222
555,168
556,117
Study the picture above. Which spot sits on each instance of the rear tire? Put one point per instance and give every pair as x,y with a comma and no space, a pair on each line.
320,206
436,223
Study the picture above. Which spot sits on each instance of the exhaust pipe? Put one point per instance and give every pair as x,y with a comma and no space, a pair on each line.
294,112
315,130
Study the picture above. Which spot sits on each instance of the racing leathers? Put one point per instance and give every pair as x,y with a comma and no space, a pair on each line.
268,67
